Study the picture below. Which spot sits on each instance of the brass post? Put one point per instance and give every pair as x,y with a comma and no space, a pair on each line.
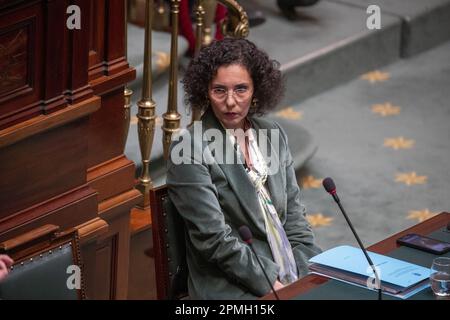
161,18
146,111
127,92
199,13
172,117
210,12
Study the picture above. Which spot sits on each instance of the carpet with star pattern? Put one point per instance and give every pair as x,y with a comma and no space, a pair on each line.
385,139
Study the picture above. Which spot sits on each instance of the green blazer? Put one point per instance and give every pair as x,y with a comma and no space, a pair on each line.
216,199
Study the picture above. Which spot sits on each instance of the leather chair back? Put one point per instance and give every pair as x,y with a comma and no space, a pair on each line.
47,266
169,247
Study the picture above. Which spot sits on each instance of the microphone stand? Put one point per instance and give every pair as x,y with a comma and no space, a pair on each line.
247,236
336,198
264,271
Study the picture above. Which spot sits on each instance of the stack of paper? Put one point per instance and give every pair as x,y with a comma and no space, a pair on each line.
345,263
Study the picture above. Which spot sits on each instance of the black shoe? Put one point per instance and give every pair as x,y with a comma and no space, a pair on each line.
255,18
287,7
297,3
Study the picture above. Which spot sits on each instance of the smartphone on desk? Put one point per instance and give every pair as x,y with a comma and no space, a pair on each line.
417,241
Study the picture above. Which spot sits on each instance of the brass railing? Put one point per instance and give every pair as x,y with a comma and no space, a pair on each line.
199,32
127,92
146,111
172,117
235,25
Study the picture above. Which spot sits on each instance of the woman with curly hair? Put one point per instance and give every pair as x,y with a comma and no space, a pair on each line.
233,83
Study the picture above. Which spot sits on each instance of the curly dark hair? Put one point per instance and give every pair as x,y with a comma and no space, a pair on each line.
267,79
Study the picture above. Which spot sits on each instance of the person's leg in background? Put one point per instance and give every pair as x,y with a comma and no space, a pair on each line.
221,13
254,14
214,14
186,26
287,7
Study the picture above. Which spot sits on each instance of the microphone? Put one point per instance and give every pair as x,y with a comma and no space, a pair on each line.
330,187
247,236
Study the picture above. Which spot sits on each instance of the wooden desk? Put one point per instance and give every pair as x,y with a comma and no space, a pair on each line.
311,281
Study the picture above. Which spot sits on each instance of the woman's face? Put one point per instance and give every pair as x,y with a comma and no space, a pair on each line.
230,93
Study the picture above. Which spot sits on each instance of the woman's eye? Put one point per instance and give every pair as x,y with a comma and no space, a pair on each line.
241,90
218,91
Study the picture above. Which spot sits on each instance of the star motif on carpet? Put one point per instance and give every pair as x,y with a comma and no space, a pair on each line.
310,182
162,60
318,220
375,76
398,143
410,178
290,113
385,109
420,215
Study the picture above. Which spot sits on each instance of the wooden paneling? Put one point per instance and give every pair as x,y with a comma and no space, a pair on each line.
107,39
62,131
115,53
4,4
21,62
97,39
116,211
106,139
112,177
109,256
109,171
42,166
77,51
41,123
89,233
54,98
45,65
14,73
106,84
66,211
104,284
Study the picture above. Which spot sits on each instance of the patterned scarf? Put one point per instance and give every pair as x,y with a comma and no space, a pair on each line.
279,244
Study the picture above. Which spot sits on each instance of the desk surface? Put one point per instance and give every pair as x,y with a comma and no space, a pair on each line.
312,281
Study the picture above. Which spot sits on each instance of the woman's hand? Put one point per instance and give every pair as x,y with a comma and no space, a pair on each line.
5,264
278,285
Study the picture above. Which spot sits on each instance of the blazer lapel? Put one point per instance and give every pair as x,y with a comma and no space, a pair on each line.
236,175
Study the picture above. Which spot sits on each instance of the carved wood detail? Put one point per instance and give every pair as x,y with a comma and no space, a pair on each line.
13,60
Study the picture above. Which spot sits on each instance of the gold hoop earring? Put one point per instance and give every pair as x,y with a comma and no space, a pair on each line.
207,106
254,104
